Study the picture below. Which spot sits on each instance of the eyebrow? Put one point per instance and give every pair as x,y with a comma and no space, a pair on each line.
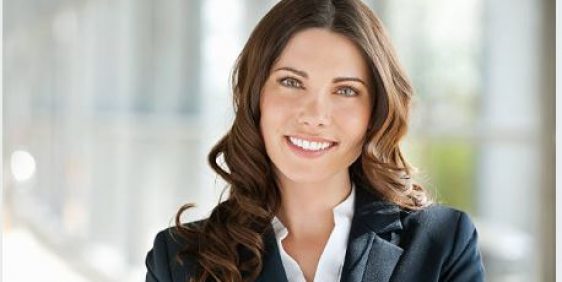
335,80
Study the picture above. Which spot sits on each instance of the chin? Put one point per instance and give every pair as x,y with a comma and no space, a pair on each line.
306,175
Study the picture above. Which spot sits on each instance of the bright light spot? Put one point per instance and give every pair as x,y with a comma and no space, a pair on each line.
22,165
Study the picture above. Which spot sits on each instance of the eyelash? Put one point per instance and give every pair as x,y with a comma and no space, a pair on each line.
284,81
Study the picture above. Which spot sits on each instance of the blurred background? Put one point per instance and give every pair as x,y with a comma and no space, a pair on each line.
111,106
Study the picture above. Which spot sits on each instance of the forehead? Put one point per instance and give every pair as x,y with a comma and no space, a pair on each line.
318,49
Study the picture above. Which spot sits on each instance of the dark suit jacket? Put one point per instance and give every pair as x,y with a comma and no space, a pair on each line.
386,243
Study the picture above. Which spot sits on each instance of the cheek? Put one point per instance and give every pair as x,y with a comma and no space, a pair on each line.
363,120
356,126
354,120
273,116
274,110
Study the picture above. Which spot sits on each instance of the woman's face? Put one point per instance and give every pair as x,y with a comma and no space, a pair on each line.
315,96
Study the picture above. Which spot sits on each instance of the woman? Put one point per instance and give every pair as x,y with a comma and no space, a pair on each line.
319,189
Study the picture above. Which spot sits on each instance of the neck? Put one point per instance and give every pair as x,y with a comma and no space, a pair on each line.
306,208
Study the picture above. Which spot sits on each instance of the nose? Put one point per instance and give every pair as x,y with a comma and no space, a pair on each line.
316,111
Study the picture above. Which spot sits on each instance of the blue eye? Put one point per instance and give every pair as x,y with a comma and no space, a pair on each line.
290,82
348,91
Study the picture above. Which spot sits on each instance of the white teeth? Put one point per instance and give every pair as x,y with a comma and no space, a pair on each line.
310,145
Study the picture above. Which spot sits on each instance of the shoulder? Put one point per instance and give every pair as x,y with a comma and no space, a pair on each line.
437,218
440,222
161,261
448,237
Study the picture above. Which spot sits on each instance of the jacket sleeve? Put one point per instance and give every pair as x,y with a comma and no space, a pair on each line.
465,261
157,260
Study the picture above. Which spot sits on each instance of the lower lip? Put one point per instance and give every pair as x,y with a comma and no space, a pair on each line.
308,154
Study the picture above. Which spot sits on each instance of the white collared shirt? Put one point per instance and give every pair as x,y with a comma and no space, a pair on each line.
331,261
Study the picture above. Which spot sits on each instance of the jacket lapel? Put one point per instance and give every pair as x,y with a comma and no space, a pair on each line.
370,257
273,270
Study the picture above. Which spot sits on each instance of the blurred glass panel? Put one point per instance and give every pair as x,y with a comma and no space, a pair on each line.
440,45
447,167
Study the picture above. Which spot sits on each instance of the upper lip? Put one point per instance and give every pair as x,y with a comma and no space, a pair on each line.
312,138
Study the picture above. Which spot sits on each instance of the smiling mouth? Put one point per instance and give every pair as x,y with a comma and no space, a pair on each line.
307,146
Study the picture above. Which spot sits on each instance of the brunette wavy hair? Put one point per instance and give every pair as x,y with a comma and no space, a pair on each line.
228,245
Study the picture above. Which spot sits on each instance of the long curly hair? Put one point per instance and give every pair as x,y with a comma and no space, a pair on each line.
228,245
